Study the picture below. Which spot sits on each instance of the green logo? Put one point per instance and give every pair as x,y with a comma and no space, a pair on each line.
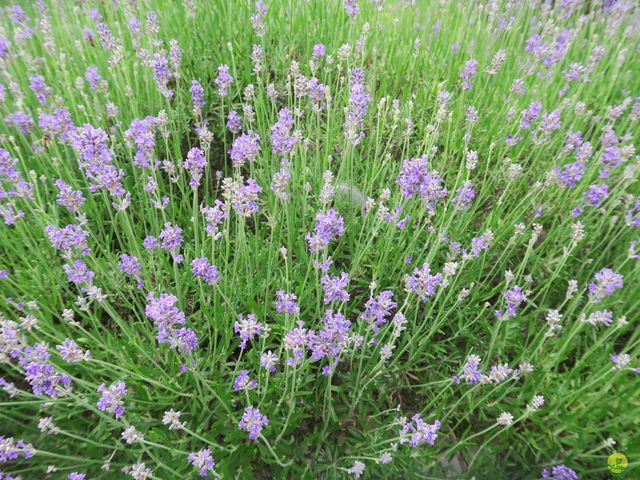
617,463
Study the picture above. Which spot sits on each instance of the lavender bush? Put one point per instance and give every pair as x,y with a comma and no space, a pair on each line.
338,239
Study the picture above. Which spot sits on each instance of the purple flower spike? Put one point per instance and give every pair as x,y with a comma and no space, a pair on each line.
253,422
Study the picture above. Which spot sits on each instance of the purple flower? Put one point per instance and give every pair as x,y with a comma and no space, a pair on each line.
416,179
377,309
329,227
560,472
184,340
500,372
130,265
161,73
197,95
632,215
257,57
244,197
141,133
150,243
611,157
570,174
5,46
330,341
203,461
621,360
19,188
606,282
464,196
95,159
139,471
71,239
247,327
245,149
163,312
57,124
530,115
253,421
214,216
357,469
135,26
513,298
318,50
112,398
79,273
358,106
195,164
76,476
468,73
335,288
281,138
234,123
93,77
201,268
269,360
416,432
20,120
243,382
41,90
471,115
295,341
167,317
171,237
256,19
71,352
550,122
600,317
280,181
223,80
12,339
595,194
471,371
352,8
286,303
481,243
10,449
68,197
40,374
317,92
422,283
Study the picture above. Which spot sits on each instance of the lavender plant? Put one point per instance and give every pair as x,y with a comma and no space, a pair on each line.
340,239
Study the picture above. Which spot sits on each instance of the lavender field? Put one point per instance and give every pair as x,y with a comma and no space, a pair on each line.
319,239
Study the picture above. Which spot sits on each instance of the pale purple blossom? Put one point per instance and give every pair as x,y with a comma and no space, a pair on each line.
378,309
247,328
195,165
468,72
422,283
201,268
286,303
416,431
253,422
358,107
203,461
245,149
112,399
223,80
335,288
329,227
244,382
606,281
